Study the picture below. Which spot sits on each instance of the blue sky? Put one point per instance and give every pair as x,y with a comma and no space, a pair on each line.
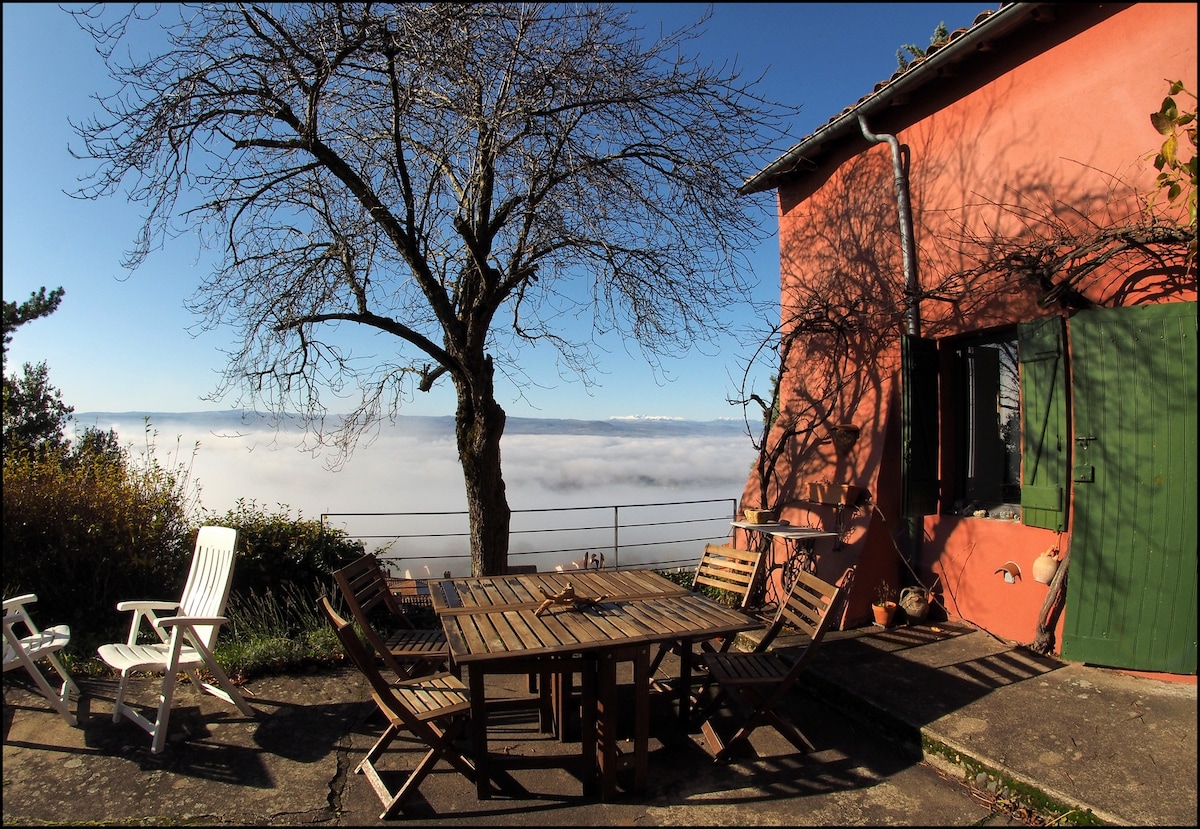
120,341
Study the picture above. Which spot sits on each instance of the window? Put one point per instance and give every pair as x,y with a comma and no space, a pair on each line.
1005,393
987,416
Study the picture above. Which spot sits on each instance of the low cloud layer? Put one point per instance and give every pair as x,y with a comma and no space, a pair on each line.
412,467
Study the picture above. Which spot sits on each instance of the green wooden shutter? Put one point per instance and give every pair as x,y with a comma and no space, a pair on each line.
1045,453
919,425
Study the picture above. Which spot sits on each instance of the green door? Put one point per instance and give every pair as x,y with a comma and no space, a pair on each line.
1131,590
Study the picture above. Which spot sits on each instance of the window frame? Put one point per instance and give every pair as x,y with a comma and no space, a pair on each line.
930,442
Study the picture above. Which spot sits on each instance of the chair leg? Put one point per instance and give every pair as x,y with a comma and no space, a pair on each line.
164,712
663,649
59,699
376,751
439,742
367,767
792,734
69,688
702,709
716,746
722,748
759,716
224,689
119,703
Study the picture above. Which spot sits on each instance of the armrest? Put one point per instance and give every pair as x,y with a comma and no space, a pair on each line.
183,629
192,621
147,605
143,609
17,601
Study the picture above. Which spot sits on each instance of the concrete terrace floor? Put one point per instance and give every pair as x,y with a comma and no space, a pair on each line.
929,725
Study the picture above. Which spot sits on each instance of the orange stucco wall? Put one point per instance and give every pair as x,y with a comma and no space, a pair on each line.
1060,136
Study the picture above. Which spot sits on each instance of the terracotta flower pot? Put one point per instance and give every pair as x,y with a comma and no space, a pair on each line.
884,613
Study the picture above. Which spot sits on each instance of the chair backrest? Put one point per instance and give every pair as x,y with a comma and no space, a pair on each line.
381,690
728,568
364,587
209,580
810,607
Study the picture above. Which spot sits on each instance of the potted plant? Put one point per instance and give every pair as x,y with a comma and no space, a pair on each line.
884,606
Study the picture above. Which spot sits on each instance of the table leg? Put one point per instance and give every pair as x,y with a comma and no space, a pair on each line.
800,557
606,723
685,682
641,729
548,682
564,687
589,671
479,739
767,568
608,715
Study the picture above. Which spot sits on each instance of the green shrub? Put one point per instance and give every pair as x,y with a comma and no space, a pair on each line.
86,528
281,553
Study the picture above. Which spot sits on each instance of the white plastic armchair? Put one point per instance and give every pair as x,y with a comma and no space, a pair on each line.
24,651
186,636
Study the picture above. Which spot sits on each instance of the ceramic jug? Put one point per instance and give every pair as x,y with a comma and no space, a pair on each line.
913,600
1045,566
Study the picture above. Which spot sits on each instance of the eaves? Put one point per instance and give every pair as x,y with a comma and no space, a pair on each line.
949,63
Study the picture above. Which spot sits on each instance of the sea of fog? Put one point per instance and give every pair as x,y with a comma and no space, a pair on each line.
401,490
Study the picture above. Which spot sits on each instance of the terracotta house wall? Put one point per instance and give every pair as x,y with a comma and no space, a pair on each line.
1059,133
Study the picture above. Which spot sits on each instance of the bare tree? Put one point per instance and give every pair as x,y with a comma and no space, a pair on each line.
466,178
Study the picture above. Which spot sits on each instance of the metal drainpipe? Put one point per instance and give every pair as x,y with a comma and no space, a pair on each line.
912,310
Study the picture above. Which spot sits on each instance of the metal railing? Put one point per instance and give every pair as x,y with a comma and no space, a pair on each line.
662,536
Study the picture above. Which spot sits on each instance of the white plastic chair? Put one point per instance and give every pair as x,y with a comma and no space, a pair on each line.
25,650
186,636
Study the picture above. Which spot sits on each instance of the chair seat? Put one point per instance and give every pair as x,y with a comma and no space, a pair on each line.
746,668
426,644
434,695
46,641
145,657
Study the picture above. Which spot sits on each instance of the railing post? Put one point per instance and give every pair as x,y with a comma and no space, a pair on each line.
616,537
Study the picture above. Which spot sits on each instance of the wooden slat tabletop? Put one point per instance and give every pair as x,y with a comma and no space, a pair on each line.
471,595
518,632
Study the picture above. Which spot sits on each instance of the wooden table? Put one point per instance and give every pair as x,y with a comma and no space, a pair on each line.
491,626
800,554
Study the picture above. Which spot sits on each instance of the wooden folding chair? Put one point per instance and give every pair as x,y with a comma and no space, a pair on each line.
752,684
434,708
724,568
407,651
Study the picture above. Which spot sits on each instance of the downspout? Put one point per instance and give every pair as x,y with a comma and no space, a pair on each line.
912,304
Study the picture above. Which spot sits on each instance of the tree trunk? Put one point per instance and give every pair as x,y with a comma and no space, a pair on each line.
479,427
